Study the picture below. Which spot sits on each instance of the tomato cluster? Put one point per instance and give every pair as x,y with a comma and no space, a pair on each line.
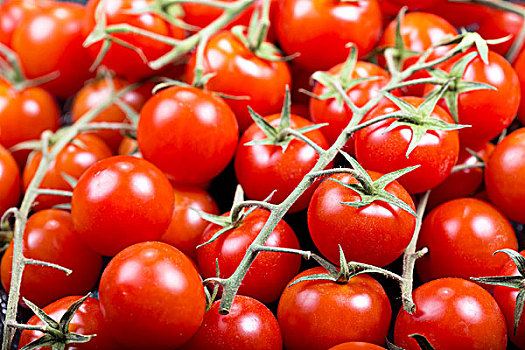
169,164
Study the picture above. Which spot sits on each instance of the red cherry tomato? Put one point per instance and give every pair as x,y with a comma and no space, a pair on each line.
72,160
504,176
356,346
12,12
461,236
9,181
49,236
519,67
126,61
248,325
376,234
97,91
263,81
49,41
461,14
270,271
152,297
261,169
88,320
310,309
120,201
452,313
506,298
190,134
382,151
186,225
320,29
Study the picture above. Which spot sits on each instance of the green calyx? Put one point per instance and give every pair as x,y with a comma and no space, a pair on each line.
56,334
515,282
399,53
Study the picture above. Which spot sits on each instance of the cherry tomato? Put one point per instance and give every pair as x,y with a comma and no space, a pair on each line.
320,29
315,314
263,81
190,134
50,40
375,234
128,146
120,201
504,176
519,66
77,156
461,236
9,181
12,12
126,61
49,237
385,151
270,271
506,298
186,225
462,14
152,297
97,91
87,320
249,325
356,346
452,313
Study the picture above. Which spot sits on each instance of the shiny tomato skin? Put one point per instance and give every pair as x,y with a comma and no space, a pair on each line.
190,134
9,181
338,116
461,236
120,201
87,320
315,314
75,158
356,346
54,32
186,225
248,325
261,169
49,236
519,67
506,298
504,178
463,183
320,29
437,152
96,92
452,313
158,286
376,234
269,273
125,61
12,12
263,81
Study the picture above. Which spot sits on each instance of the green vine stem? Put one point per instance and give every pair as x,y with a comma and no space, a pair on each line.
21,215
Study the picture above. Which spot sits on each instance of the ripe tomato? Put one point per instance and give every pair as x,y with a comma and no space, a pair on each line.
504,176
49,236
186,225
519,66
97,91
338,115
54,32
463,183
151,297
270,271
125,61
190,134
249,325
72,160
356,346
120,201
462,14
263,81
12,12
9,180
87,320
461,236
506,298
452,313
385,151
311,308
320,29
376,234
24,115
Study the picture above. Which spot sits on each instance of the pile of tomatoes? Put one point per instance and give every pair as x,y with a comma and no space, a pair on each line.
301,113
